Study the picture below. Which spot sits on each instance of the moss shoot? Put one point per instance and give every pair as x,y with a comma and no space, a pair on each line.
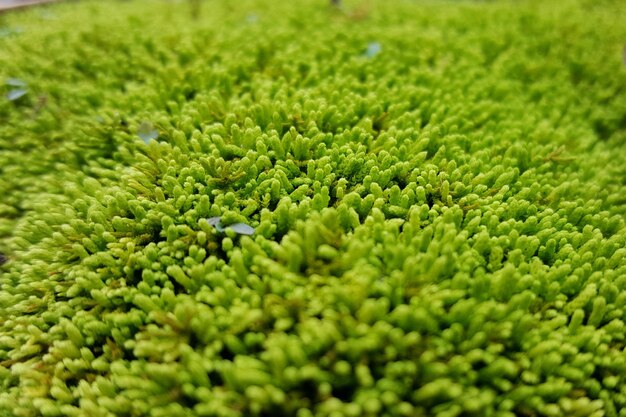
260,208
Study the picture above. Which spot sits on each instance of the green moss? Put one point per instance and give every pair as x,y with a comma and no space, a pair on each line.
437,191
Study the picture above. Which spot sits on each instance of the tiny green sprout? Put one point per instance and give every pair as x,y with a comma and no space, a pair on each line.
147,132
557,156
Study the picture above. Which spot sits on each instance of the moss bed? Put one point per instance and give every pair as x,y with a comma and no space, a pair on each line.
437,192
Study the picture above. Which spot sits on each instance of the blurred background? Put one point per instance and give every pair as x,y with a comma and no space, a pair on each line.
12,4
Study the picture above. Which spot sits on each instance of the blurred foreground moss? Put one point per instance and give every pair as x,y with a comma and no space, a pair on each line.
437,191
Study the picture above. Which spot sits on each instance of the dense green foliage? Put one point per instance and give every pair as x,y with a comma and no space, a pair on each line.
438,191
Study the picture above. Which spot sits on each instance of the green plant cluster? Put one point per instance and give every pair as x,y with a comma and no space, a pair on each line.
400,208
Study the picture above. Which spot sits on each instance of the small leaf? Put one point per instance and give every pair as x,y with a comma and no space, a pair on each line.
216,222
373,49
147,132
252,18
242,229
15,82
16,94
213,220
46,15
6,32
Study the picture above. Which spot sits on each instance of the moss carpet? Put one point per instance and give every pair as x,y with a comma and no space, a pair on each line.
256,208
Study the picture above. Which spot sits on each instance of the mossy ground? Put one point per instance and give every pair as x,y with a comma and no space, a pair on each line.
438,192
